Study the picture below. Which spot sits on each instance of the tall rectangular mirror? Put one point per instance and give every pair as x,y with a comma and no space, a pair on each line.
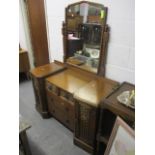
85,36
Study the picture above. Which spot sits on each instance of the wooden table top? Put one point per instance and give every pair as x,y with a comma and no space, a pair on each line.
46,70
93,92
69,80
112,103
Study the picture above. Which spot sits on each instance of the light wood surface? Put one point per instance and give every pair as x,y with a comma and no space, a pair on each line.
93,92
45,70
88,89
70,80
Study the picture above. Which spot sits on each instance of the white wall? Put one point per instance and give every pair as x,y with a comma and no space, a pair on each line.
22,37
24,34
120,59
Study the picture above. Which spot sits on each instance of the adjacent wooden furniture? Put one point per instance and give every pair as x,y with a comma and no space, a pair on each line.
87,101
86,21
24,65
37,25
38,78
110,109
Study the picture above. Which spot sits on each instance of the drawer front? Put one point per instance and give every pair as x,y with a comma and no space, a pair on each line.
56,109
66,96
61,109
52,88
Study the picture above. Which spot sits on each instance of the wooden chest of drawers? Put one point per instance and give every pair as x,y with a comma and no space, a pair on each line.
38,76
60,89
61,105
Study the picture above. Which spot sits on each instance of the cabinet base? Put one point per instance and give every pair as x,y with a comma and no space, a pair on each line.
44,114
83,145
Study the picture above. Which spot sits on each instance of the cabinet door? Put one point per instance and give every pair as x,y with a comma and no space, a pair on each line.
85,129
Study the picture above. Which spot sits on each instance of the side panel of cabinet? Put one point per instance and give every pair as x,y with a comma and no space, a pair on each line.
36,92
40,96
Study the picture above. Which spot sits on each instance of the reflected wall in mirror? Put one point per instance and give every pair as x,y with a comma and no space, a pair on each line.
85,36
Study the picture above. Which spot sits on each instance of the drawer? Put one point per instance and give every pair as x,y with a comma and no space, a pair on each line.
66,95
61,108
52,88
86,122
59,114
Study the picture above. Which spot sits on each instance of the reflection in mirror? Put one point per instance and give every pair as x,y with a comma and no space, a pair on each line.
84,28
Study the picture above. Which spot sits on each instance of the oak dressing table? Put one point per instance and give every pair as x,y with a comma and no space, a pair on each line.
72,91
74,94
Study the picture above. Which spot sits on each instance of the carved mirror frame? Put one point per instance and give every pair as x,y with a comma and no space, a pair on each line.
103,42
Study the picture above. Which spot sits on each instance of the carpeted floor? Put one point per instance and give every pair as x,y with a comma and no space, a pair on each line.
46,136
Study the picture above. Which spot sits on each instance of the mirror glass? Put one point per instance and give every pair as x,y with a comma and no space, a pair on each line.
84,24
